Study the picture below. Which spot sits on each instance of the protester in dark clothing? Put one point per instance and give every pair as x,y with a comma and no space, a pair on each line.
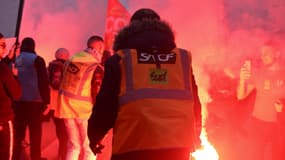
36,96
55,72
145,34
10,90
96,81
106,55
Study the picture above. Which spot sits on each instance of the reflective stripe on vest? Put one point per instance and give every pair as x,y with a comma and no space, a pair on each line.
156,103
77,94
134,94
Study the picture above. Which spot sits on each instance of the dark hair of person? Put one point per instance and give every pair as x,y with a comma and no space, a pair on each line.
1,35
145,13
93,39
144,20
28,45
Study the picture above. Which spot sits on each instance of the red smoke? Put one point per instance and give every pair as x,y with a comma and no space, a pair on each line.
219,33
207,28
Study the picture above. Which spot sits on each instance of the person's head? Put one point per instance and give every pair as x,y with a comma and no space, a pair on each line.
144,14
62,54
2,45
95,45
28,45
270,52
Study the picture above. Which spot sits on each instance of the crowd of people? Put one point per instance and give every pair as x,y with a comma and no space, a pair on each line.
65,90
145,92
246,114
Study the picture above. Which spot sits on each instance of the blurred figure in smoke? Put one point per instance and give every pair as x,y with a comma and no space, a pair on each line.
10,90
269,83
221,128
29,108
148,95
77,94
55,72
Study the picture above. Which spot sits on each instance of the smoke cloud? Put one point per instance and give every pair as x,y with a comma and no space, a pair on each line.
68,24
219,33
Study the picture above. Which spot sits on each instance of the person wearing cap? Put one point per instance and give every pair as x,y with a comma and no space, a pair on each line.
77,94
148,95
55,71
28,110
10,90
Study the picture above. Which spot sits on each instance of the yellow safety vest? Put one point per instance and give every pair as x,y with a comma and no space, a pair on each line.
156,102
75,91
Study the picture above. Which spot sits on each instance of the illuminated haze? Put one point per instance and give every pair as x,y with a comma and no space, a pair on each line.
219,33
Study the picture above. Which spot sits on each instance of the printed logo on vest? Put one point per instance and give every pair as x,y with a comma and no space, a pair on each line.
73,68
146,58
158,76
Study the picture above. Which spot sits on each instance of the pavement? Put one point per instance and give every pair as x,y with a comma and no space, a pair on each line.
49,143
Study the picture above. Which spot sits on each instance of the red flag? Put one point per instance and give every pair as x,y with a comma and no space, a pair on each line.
117,17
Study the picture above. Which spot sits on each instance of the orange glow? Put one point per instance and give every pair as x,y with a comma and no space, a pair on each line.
207,151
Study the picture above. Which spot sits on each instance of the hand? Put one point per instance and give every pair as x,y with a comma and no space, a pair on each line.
14,70
245,73
47,110
278,106
97,148
15,50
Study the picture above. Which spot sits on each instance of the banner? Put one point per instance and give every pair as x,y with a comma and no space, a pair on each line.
10,17
117,17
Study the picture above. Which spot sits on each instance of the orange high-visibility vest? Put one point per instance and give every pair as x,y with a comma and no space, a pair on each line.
156,101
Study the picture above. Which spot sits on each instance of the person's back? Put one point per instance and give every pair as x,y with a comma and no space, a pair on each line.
55,73
152,89
28,77
76,97
29,108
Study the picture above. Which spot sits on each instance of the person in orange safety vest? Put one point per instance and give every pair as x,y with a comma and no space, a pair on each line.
148,95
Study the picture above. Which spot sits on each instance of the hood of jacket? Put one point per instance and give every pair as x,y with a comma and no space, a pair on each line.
146,36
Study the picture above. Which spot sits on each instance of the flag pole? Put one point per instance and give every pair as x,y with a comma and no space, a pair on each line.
18,25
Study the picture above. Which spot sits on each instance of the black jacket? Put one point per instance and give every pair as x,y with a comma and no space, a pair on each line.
146,36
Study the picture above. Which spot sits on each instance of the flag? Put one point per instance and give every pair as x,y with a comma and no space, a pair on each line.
10,17
117,17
